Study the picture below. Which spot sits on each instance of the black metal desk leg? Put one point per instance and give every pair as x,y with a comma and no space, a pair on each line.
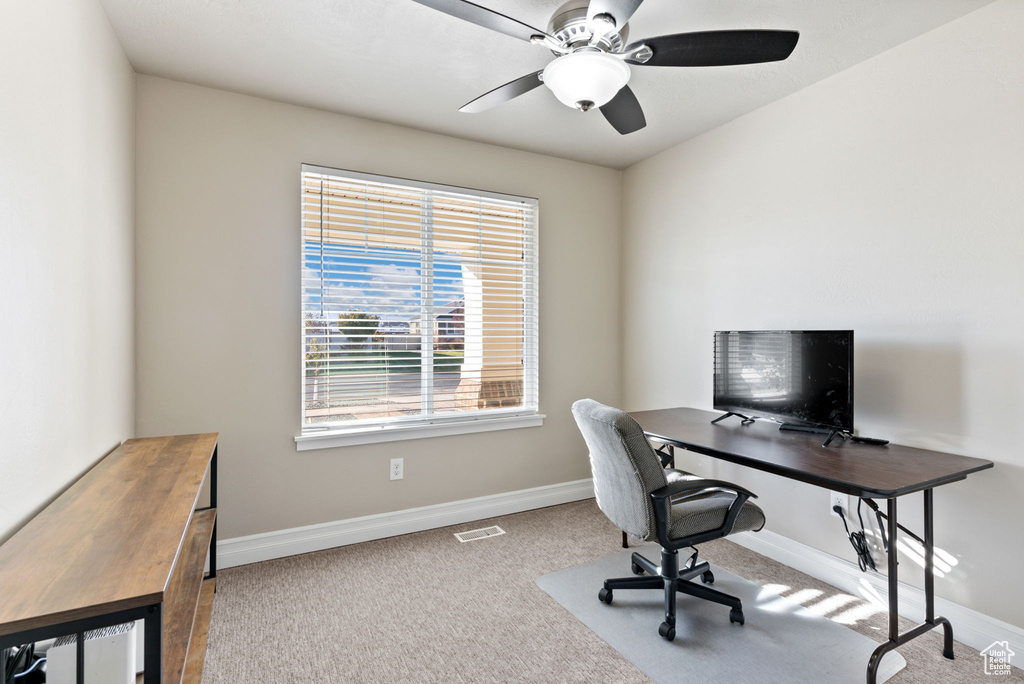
929,577
80,658
894,575
213,504
3,665
894,599
154,652
930,621
929,559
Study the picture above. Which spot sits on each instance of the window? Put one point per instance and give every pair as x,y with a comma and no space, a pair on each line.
419,309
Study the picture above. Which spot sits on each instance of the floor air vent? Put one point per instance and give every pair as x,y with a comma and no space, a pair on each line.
482,533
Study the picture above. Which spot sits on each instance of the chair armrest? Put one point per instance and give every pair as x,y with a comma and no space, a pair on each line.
663,509
683,486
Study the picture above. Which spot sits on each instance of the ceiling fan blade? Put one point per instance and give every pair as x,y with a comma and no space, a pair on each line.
620,10
504,93
481,16
624,112
718,48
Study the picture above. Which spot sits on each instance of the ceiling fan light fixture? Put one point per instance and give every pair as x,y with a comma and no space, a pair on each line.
586,79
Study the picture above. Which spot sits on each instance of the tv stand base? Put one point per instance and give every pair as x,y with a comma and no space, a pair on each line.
793,427
747,420
831,432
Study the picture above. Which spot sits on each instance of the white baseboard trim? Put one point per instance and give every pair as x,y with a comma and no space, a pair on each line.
269,545
970,627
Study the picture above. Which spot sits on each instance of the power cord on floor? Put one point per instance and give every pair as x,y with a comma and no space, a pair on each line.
858,540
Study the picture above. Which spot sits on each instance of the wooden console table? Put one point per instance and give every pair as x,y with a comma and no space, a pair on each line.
125,542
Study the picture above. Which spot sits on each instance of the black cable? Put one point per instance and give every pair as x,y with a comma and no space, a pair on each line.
859,516
16,655
859,542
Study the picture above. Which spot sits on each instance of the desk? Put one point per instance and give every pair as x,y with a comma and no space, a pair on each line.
863,470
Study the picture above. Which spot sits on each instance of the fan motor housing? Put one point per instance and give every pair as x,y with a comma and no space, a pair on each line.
569,27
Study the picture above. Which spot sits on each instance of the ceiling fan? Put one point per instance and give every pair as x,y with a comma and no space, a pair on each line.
593,58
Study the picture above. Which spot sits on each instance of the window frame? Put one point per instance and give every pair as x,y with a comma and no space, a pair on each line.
435,425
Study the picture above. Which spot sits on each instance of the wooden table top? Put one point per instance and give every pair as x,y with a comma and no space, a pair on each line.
873,471
110,541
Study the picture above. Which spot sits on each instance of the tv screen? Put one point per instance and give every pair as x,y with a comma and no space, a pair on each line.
801,377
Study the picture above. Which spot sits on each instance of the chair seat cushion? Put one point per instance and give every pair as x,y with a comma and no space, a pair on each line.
706,513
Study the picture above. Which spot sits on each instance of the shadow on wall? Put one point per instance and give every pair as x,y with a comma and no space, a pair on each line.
918,388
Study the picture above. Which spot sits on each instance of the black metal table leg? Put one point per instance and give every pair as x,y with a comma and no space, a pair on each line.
929,576
3,665
894,599
894,574
213,504
80,658
931,622
154,645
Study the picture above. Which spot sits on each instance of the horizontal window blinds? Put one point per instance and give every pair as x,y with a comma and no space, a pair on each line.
419,301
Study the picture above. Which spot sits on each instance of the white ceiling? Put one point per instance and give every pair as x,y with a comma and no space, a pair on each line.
400,62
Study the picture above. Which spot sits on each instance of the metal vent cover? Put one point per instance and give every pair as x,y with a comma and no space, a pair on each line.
95,634
482,533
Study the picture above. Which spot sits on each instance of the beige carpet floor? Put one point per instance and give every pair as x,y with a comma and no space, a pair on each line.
425,608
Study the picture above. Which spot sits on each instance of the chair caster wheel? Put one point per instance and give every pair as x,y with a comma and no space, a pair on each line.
667,631
707,577
736,615
637,570
604,596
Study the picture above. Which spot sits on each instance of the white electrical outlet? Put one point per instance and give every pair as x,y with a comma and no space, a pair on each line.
841,500
397,468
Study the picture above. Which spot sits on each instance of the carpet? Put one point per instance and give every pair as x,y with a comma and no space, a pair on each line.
781,642
424,608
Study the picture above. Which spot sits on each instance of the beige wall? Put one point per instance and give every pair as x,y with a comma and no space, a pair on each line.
888,199
218,303
66,183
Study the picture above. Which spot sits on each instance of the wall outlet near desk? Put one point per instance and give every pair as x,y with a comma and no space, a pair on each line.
397,468
841,500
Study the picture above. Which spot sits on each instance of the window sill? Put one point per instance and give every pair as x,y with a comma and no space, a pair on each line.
329,439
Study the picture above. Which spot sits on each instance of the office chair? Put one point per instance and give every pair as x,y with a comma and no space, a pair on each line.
633,492
667,457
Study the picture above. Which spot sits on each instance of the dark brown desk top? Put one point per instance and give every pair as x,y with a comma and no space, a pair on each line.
881,472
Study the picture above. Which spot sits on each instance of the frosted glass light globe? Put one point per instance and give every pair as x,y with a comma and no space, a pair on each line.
586,79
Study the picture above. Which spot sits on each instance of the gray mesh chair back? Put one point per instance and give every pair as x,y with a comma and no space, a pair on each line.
626,469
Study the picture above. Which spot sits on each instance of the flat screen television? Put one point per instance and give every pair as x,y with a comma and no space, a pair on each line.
797,377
